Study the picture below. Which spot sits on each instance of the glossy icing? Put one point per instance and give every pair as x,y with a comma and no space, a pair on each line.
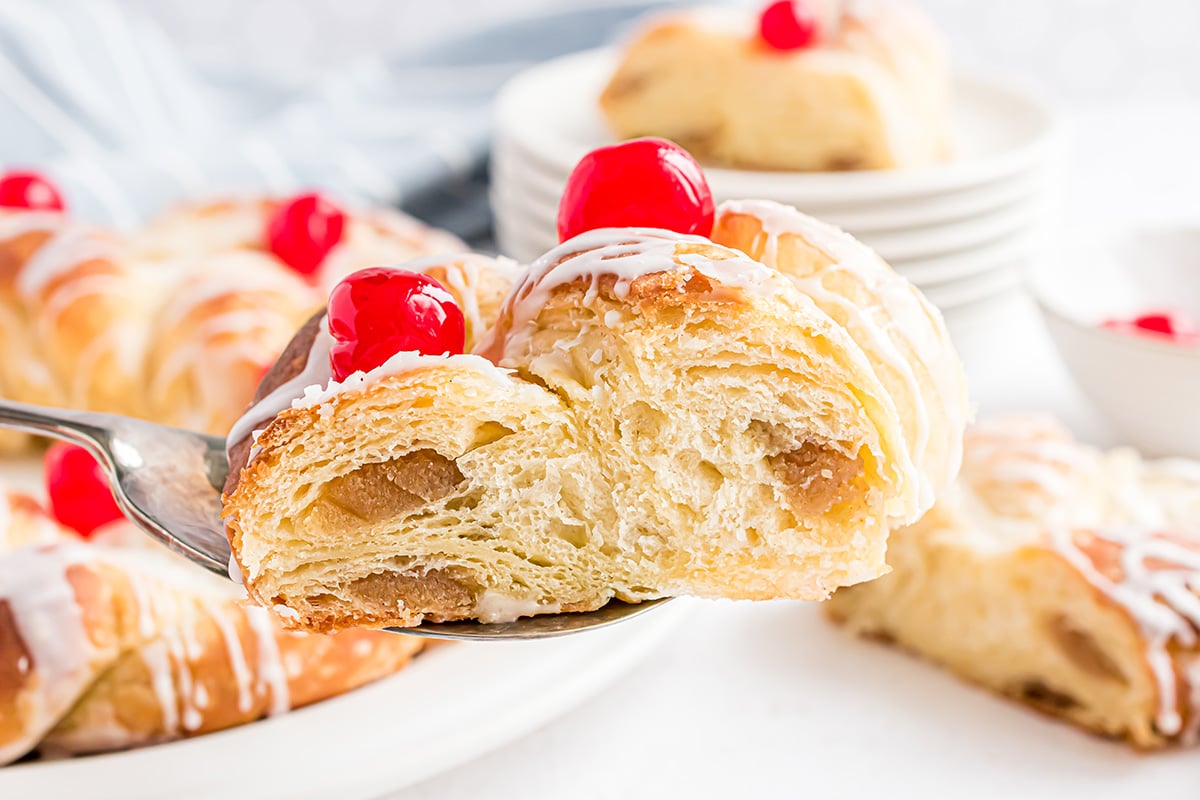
625,254
899,317
1081,503
178,610
187,297
315,372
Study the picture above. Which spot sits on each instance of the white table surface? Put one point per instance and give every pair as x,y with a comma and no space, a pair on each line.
725,708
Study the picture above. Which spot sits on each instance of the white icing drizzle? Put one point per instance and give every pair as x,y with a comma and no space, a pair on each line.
237,662
14,224
146,607
1161,599
34,584
493,606
462,274
271,674
6,518
315,386
158,663
901,314
1073,494
179,649
625,254
315,372
68,247
235,572
401,363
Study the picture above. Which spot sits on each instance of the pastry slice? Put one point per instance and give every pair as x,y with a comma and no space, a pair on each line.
1056,574
867,87
176,321
654,414
117,643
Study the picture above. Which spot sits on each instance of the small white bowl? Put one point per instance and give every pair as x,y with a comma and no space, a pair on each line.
1148,389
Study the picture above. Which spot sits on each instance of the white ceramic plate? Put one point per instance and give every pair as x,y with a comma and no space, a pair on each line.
941,240
552,111
517,241
519,180
931,272
924,256
452,705
975,289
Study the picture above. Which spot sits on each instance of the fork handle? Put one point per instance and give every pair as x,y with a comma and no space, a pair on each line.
78,427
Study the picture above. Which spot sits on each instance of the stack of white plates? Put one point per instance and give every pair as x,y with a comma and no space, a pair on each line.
962,231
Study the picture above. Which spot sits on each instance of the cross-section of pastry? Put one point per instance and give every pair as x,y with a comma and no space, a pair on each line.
805,85
653,414
176,322
1059,575
112,643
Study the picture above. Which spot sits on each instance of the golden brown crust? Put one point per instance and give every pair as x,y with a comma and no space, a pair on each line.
665,429
139,323
289,364
1038,576
873,93
146,647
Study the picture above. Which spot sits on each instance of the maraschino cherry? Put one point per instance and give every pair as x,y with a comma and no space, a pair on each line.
79,494
1169,325
303,230
26,189
649,183
378,312
788,25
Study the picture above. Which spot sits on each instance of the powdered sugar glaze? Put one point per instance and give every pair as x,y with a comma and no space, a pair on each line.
900,330
1077,501
625,254
174,605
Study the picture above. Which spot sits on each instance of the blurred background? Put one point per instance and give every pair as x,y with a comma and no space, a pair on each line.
1083,52
395,93
389,100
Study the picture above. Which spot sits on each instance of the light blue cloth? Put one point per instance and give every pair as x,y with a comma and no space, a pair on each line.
98,98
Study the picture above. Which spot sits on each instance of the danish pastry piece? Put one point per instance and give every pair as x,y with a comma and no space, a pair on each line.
177,322
653,414
1058,575
872,92
105,647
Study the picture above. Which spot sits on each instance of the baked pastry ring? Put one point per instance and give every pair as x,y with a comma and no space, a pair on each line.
1058,575
106,646
652,414
178,321
871,93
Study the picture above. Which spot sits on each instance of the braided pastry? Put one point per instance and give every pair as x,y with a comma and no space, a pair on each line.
105,646
1059,575
178,321
870,92
653,414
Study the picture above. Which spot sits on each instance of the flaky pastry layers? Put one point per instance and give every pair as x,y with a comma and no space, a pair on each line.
653,414
871,93
1056,574
176,322
106,646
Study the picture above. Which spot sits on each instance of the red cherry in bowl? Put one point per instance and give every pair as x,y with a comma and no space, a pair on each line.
25,189
79,494
302,231
378,312
788,25
1170,326
648,183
